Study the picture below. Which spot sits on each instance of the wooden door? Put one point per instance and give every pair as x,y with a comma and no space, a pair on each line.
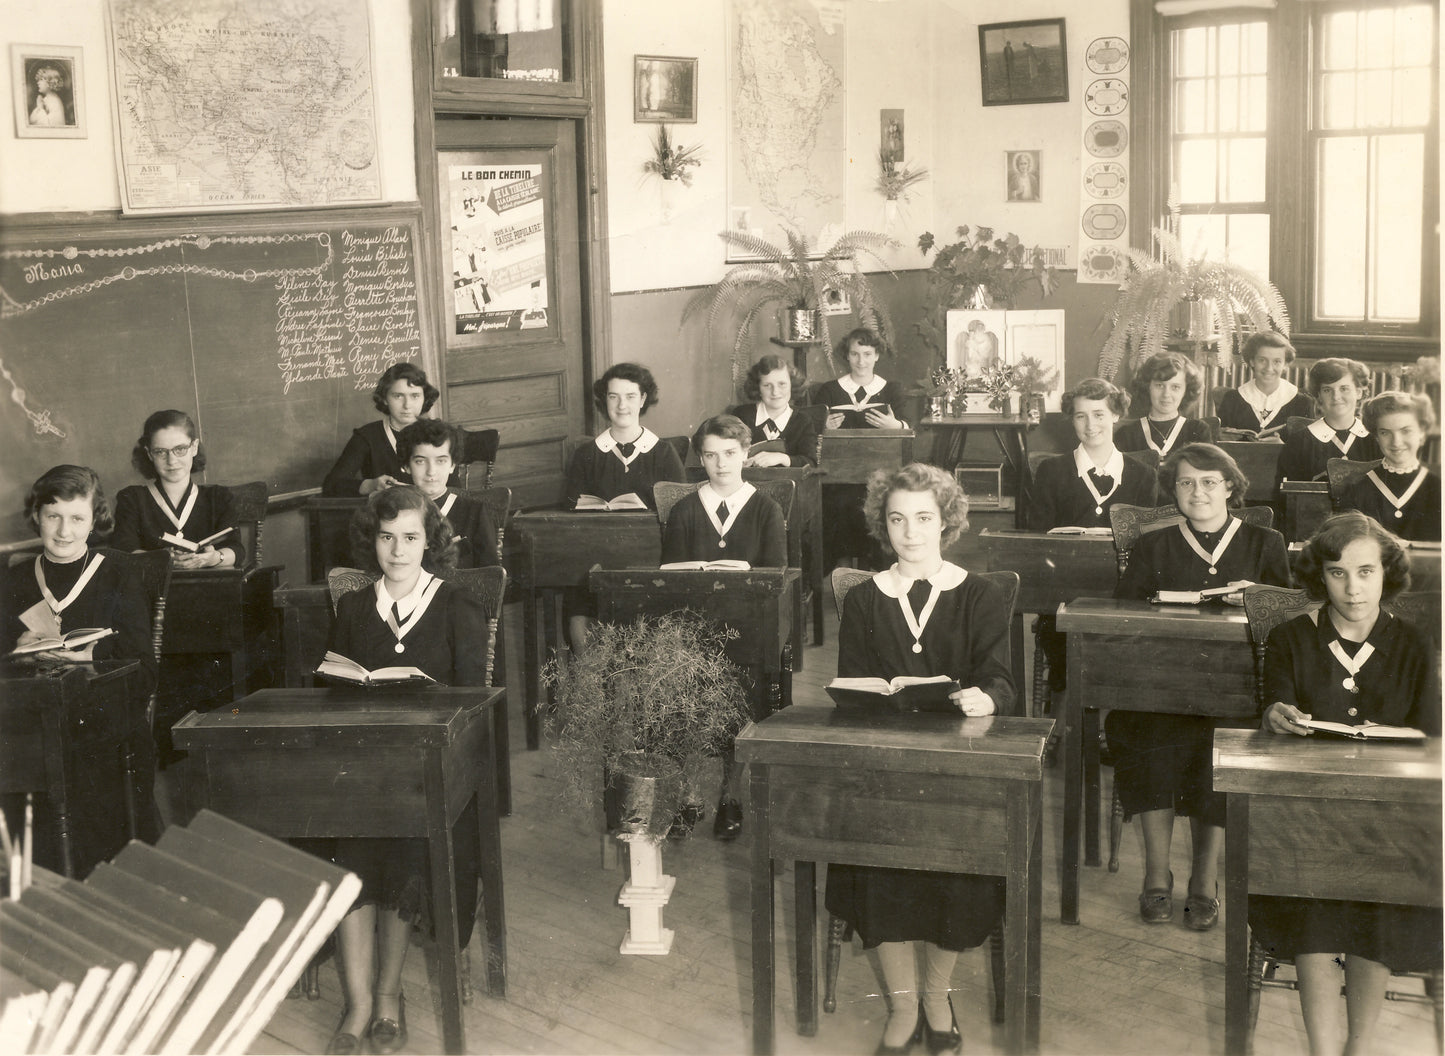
514,354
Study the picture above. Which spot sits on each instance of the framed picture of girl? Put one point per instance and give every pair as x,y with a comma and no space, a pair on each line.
46,83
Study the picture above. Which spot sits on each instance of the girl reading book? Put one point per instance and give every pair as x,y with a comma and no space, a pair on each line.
167,454
626,457
1350,662
1262,407
431,450
1162,764
409,617
1400,492
770,385
1165,385
923,616
1337,385
370,462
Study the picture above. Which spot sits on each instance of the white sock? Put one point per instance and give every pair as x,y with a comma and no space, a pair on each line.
937,976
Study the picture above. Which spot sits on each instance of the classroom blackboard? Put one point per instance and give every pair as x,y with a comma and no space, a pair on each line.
270,331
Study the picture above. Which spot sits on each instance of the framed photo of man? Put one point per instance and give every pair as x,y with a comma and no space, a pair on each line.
1023,62
46,81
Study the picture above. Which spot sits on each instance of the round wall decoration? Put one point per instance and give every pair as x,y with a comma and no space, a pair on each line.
1107,96
1103,264
1107,55
1106,179
1107,139
1104,221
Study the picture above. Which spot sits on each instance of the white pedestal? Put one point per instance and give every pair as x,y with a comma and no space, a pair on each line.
645,894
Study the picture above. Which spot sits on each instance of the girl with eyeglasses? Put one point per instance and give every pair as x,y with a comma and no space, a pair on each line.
1162,762
167,454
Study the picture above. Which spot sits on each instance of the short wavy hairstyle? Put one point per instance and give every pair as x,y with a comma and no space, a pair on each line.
389,504
1096,389
1161,367
864,336
1261,339
917,476
752,384
1328,371
727,426
410,373
1209,458
633,372
140,455
1338,532
66,482
433,432
1394,401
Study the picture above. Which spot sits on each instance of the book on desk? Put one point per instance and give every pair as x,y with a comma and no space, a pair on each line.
903,693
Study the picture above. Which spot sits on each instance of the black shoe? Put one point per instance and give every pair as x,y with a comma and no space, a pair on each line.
729,821
343,1044
389,1035
913,1039
940,1041
683,822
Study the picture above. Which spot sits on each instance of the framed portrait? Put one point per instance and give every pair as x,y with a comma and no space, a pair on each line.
837,302
1039,335
1023,62
1023,175
47,83
977,340
664,88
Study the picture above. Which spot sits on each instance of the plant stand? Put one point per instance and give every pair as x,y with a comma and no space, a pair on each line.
645,894
800,352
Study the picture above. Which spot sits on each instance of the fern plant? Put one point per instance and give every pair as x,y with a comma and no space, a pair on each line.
1155,286
793,276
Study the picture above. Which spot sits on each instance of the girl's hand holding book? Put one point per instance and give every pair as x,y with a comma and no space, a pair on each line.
1280,717
973,702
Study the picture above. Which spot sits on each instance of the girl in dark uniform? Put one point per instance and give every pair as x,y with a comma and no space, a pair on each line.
923,616
1400,493
1262,407
370,462
770,385
1349,662
430,449
1164,386
1337,385
1162,762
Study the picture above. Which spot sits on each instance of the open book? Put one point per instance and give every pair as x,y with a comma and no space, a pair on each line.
334,665
1369,731
904,693
1192,597
180,542
721,565
76,639
627,501
855,406
1079,529
1269,434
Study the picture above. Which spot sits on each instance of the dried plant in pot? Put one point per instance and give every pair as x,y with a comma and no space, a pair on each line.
648,703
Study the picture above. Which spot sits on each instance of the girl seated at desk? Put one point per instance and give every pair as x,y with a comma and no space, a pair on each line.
1162,762
430,448
1400,492
923,616
770,385
1348,662
410,618
626,457
167,454
1262,407
370,462
1337,385
68,586
1164,385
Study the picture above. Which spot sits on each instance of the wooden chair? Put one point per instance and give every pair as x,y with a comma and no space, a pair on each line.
249,503
680,444
35,751
839,931
1211,421
1266,607
817,413
479,459
1342,475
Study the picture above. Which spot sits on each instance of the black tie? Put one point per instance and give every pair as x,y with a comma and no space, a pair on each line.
918,596
625,450
771,430
1101,481
1342,435
862,394
722,512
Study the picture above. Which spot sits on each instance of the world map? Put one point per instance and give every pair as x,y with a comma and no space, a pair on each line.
243,104
787,162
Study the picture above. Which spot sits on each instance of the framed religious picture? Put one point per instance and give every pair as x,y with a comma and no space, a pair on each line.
1039,336
664,88
47,83
976,339
1023,62
1023,175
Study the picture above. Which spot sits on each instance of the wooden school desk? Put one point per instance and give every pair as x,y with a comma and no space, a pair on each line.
226,610
848,456
924,791
551,550
1011,431
1259,461
1134,656
1321,817
370,763
1306,505
328,534
1052,569
754,603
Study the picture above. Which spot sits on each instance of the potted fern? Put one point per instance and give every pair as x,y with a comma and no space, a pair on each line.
794,277
1173,296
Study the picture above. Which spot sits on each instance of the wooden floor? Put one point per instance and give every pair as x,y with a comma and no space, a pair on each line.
1110,985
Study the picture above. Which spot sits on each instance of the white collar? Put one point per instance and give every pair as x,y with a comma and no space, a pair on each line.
188,503
780,420
896,585
390,433
736,501
850,387
420,596
1114,467
446,502
1257,399
1321,431
606,441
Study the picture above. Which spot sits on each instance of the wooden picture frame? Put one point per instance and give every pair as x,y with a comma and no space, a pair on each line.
1023,62
59,111
664,89
1038,334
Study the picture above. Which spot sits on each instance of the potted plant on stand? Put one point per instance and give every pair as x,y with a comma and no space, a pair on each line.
1033,380
640,712
795,278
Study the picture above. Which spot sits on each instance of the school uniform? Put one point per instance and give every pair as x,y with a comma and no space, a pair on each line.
965,635
472,528
1163,761
607,469
1067,491
1407,504
845,532
441,629
1145,434
1398,685
1307,452
796,431
1248,408
370,453
143,513
103,589
845,390
748,528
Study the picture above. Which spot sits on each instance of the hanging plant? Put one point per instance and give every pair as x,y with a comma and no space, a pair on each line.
894,180
672,160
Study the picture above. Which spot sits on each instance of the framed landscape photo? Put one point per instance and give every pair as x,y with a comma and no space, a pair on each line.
664,88
47,83
1023,62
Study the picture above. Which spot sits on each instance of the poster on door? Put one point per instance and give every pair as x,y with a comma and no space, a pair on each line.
499,247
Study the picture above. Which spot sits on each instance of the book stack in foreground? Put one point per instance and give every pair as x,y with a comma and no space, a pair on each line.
184,947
